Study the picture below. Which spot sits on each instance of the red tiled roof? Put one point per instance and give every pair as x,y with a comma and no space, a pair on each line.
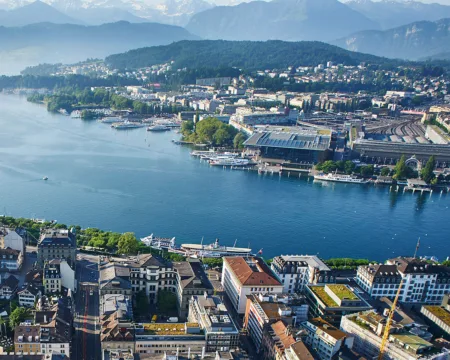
262,275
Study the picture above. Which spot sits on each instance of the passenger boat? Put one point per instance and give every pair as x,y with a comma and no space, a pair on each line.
126,125
228,161
159,243
158,128
215,250
340,178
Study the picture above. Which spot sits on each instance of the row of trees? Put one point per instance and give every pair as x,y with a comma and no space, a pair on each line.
347,167
212,131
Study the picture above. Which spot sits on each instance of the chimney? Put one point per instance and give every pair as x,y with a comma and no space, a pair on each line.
203,352
189,353
45,319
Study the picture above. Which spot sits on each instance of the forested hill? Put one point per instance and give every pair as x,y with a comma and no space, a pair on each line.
249,55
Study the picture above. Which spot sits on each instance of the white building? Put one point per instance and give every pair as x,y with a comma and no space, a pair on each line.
325,339
9,238
422,282
28,296
245,276
58,274
296,271
10,259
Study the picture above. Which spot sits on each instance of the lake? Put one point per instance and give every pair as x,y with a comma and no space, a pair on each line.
141,182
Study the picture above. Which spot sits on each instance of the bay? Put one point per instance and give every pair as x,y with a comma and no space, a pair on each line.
141,182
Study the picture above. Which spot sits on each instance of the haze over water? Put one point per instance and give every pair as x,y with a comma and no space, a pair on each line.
141,182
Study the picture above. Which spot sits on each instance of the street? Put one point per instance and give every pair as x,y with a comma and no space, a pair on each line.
86,344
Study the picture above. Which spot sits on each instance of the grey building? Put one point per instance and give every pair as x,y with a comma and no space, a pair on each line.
57,244
191,280
114,279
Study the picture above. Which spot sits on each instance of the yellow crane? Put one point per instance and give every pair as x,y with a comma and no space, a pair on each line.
389,322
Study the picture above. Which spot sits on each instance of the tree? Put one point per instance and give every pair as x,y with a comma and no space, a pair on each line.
385,171
349,167
167,301
17,316
328,166
128,244
367,171
400,169
238,141
427,172
142,303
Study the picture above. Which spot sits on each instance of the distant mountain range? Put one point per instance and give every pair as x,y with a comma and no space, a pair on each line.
389,14
54,43
279,19
423,39
249,55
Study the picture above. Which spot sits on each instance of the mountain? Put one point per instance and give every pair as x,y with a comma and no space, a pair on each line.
33,13
393,13
177,12
279,19
249,55
414,41
52,43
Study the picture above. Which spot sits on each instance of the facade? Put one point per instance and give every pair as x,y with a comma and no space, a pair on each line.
325,339
296,271
191,279
221,334
438,317
245,276
367,329
117,331
11,239
158,339
262,311
332,301
293,144
298,351
276,339
29,295
8,287
58,274
422,282
27,339
247,117
10,259
57,244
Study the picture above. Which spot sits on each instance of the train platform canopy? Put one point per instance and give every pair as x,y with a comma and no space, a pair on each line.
291,138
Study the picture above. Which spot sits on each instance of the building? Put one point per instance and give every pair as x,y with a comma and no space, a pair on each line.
10,259
299,351
325,339
422,282
276,339
114,279
117,330
29,295
293,144
27,338
58,274
221,334
438,317
181,338
11,239
332,301
245,276
217,81
57,244
296,271
8,287
112,302
248,117
261,311
191,279
368,327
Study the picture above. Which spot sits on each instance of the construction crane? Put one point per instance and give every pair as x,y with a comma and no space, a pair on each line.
389,322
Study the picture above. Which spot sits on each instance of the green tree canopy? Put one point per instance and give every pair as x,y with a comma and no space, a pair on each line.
401,171
18,316
128,244
238,141
385,171
427,172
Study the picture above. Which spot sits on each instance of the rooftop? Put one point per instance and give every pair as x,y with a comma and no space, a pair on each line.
252,271
440,312
310,260
57,237
167,328
342,292
327,328
410,341
192,274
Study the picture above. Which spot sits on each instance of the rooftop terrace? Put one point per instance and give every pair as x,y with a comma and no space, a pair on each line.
439,312
342,292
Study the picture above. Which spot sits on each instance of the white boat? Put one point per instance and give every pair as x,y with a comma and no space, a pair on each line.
214,250
158,128
126,125
159,243
340,178
229,161
111,120
45,178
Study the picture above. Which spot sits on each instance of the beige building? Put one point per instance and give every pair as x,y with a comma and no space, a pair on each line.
57,244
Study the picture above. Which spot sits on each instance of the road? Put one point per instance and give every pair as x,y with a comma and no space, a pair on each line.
86,344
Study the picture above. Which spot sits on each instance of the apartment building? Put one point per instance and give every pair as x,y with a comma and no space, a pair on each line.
367,329
296,271
8,287
27,339
191,279
29,295
422,282
117,329
57,274
9,238
245,276
276,339
325,339
261,311
332,301
10,259
57,244
438,317
221,334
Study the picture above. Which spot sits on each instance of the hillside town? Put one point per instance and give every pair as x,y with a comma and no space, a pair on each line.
61,302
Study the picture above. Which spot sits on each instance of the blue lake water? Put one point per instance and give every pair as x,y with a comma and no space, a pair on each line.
141,182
